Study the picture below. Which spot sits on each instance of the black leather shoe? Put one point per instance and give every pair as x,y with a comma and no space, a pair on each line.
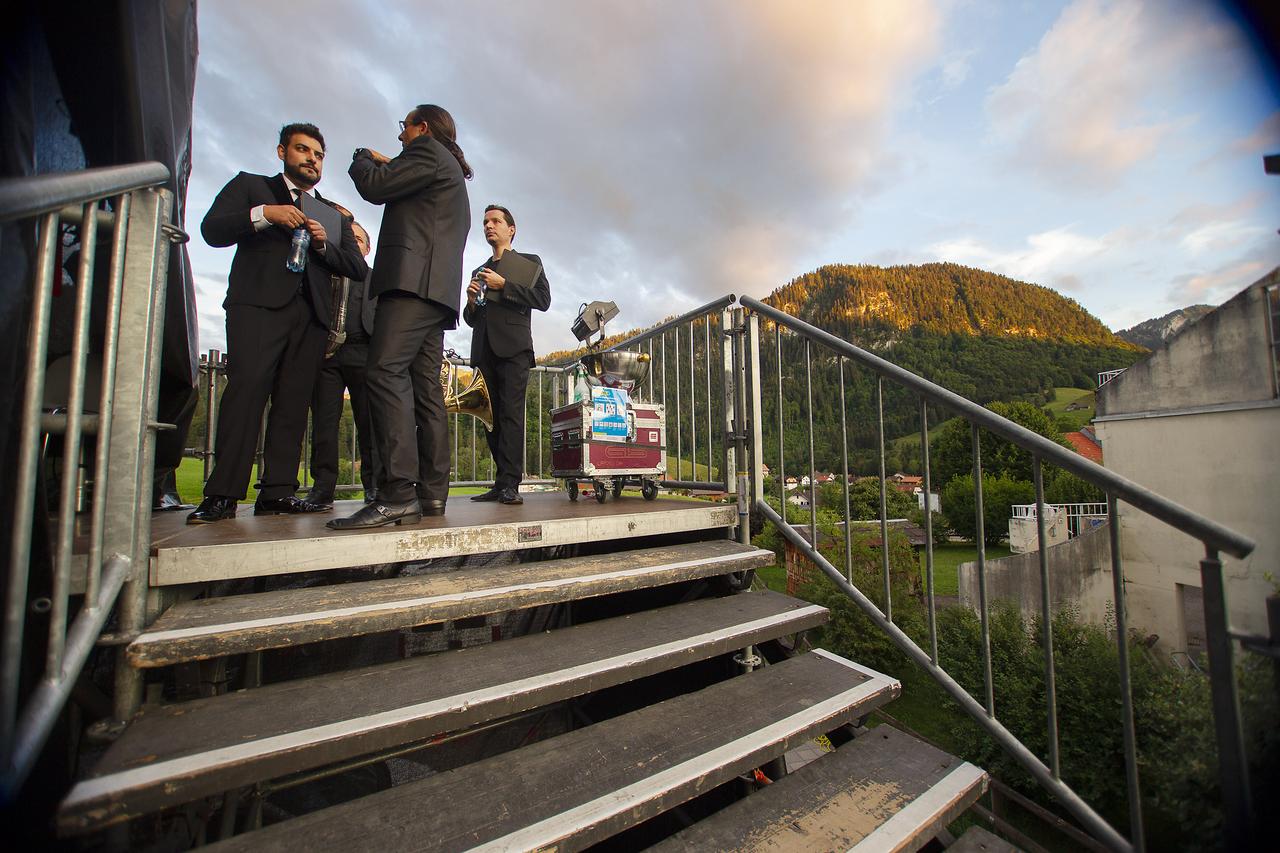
319,498
379,514
492,495
287,506
511,497
431,506
213,508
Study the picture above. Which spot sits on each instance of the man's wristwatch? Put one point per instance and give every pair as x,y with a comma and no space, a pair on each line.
358,152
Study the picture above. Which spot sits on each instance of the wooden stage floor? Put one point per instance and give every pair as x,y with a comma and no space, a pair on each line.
250,546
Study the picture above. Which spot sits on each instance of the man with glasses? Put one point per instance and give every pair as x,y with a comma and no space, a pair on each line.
418,284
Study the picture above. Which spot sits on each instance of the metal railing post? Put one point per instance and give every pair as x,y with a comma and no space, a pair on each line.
756,413
128,522
726,358
1233,765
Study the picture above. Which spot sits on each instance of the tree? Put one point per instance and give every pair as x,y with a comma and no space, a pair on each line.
864,500
951,448
998,495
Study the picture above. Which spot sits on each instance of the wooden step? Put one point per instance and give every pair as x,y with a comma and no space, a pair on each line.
571,791
213,627
177,753
885,791
976,839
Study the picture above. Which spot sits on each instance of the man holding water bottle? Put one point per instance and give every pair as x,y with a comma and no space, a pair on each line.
277,305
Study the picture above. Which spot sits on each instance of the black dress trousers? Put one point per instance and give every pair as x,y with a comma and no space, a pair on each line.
410,424
346,369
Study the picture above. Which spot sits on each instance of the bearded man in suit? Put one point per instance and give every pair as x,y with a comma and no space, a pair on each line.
277,322
502,344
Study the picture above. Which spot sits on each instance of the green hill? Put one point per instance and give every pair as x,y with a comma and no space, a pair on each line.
984,336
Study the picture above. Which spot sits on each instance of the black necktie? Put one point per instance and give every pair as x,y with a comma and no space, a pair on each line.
297,199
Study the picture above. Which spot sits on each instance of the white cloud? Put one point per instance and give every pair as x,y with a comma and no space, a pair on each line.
1220,236
1097,95
646,149
1050,257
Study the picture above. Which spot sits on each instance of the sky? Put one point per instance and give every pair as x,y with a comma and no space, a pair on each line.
663,153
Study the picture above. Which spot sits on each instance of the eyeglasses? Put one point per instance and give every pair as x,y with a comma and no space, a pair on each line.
414,124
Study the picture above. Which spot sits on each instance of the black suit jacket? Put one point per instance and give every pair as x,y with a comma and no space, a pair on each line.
425,224
258,276
503,324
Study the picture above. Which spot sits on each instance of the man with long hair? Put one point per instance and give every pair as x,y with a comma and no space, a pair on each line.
418,284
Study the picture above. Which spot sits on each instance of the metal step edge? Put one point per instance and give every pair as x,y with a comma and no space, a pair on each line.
141,652
89,800
623,805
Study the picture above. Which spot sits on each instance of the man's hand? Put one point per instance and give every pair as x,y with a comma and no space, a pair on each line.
284,215
318,234
378,157
491,279
473,291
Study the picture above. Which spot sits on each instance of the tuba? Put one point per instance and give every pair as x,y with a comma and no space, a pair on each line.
472,400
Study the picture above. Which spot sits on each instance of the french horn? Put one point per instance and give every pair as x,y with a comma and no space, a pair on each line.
473,399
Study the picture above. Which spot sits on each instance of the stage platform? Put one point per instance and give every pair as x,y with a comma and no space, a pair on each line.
250,546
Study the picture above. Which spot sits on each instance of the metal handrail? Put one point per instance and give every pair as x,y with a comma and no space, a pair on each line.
1102,830
22,198
117,526
1233,770
1211,533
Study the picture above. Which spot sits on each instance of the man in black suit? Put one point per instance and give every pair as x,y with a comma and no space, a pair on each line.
345,368
502,345
418,283
276,324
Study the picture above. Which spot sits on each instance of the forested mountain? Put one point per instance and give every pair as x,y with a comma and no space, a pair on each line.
1152,333
942,299
981,335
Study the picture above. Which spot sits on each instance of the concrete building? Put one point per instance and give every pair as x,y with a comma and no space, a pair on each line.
1199,422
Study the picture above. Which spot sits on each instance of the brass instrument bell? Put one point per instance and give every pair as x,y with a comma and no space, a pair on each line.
472,400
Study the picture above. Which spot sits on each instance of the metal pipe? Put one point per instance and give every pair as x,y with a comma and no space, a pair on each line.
782,450
679,410
980,521
107,397
706,350
756,415
1233,765
728,460
23,198
541,467
1078,808
25,480
211,410
51,692
133,442
884,503
928,532
693,408
1191,523
71,445
844,462
1126,687
1046,620
813,472
688,316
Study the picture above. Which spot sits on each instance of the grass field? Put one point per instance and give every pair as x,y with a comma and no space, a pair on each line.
1066,397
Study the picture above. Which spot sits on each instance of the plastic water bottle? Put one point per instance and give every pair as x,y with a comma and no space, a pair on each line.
581,388
297,261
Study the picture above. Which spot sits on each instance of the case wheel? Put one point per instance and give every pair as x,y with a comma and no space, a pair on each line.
649,489
572,488
617,487
601,490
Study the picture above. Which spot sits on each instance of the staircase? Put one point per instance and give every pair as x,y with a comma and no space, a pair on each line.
656,706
